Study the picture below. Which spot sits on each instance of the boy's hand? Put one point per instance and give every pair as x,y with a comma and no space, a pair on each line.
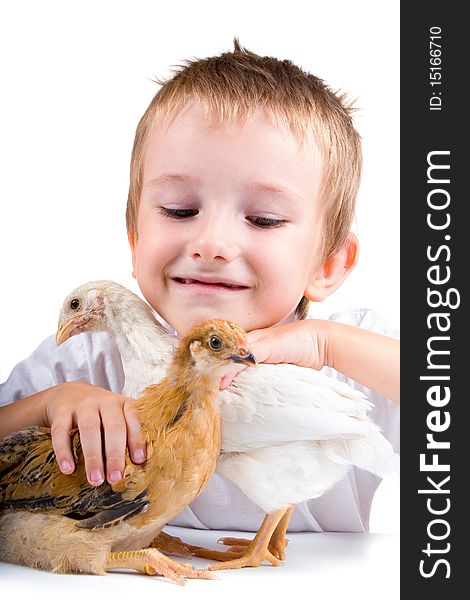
300,343
95,411
315,343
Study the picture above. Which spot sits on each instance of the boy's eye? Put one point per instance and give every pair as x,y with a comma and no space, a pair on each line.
265,222
178,213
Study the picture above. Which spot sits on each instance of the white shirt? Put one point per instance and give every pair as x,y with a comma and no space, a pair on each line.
94,358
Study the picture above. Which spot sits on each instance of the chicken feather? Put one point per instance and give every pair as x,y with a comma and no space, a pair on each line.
288,433
62,523
34,482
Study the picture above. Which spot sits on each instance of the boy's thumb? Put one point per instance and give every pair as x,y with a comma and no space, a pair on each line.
228,378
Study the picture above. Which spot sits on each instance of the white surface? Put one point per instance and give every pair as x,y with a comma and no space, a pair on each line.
331,565
78,77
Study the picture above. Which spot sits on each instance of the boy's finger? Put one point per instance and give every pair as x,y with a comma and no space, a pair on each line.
60,433
261,349
136,447
115,437
227,379
89,425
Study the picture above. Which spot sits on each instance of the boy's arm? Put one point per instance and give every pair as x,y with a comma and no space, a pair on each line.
90,408
371,359
22,413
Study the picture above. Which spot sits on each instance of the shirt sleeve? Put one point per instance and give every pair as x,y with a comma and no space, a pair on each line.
89,357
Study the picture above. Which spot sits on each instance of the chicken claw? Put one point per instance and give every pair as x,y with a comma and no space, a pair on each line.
174,545
245,553
252,556
276,545
268,544
249,553
153,562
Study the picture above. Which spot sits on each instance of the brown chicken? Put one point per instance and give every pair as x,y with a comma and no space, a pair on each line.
61,523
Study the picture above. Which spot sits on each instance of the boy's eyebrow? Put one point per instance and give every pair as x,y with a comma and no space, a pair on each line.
170,178
269,188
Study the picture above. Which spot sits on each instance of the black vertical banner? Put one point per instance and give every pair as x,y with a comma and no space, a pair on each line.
435,330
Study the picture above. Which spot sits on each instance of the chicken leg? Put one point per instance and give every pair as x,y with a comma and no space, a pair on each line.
256,551
170,544
153,562
277,543
245,554
268,544
278,540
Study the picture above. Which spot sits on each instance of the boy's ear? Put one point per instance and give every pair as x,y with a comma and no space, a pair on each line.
334,270
131,238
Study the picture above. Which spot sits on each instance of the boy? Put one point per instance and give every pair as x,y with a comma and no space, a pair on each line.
244,176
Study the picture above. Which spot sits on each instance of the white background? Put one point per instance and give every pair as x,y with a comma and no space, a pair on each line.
77,76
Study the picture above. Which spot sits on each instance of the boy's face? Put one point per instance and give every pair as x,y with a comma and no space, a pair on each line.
229,220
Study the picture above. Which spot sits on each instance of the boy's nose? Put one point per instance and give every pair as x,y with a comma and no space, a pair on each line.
214,244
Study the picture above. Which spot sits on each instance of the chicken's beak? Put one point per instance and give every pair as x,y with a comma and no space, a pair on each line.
245,357
67,330
64,331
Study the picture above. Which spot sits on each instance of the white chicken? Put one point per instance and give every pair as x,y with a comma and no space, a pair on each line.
288,433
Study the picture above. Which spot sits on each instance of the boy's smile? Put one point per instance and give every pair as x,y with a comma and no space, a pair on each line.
209,285
229,220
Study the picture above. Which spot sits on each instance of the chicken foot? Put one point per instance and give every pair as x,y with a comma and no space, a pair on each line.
253,554
277,543
268,544
153,562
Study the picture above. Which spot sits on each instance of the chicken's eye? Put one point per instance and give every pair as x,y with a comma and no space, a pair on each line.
215,343
75,304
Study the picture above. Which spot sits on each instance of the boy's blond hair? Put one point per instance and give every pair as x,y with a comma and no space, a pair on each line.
237,83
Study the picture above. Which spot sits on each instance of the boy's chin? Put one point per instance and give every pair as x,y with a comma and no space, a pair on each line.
183,323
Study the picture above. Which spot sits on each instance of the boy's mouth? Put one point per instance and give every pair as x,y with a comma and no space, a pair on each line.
210,283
